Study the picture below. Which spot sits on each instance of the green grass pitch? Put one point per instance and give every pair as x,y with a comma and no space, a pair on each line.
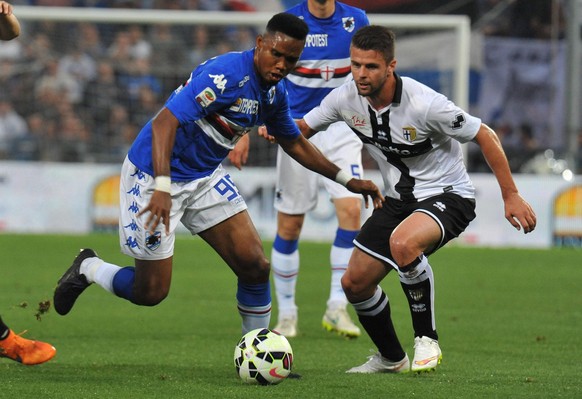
509,323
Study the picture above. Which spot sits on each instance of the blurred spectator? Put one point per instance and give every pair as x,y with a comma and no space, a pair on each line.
138,76
167,50
119,52
74,139
78,65
101,94
39,49
56,86
90,40
139,47
243,36
147,105
201,49
522,18
12,127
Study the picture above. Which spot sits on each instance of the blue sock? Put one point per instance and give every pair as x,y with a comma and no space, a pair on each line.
345,238
123,283
254,305
285,246
254,295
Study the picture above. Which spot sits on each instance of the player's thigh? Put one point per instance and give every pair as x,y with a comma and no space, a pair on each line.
415,235
296,189
434,222
135,191
237,242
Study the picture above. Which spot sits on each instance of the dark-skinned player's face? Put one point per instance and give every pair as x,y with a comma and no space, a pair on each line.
276,55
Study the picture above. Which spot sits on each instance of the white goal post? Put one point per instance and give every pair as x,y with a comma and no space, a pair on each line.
459,24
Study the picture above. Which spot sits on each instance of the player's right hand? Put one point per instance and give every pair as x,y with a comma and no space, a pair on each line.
159,211
368,189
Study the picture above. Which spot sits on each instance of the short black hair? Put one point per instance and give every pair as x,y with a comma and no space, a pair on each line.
377,38
288,24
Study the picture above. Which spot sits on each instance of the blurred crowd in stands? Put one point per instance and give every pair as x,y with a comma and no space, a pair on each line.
80,92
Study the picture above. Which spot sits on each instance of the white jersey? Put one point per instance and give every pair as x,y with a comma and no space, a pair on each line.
411,139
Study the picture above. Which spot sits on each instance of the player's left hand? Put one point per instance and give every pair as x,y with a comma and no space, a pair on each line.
519,213
368,189
239,155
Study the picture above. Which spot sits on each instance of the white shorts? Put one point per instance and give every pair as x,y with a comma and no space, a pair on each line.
297,188
198,205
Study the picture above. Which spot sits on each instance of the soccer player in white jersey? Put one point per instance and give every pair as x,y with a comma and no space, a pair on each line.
414,134
173,174
323,66
12,345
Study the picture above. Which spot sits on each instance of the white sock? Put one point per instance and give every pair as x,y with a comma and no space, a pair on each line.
100,272
339,258
285,269
259,317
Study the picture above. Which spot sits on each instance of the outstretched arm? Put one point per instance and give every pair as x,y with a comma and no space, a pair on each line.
517,211
310,157
9,25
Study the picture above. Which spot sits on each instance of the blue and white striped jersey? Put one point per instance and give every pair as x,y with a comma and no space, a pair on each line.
219,103
325,61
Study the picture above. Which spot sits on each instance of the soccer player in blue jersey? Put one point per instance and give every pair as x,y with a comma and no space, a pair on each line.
173,174
12,345
323,66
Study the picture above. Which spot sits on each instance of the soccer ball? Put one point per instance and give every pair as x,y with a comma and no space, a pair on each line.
263,356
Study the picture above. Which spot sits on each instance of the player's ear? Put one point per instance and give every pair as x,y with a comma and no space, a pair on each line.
391,66
259,42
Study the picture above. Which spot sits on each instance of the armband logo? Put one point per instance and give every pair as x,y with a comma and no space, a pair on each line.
458,122
206,97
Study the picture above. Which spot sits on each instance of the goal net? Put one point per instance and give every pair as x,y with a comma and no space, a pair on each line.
86,79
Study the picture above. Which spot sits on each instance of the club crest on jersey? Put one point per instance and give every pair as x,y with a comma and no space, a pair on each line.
153,240
348,23
206,97
409,133
327,72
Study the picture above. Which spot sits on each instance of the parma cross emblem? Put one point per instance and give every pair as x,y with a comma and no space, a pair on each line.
349,24
409,133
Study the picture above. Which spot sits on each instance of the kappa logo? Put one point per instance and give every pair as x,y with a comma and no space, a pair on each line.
440,206
219,81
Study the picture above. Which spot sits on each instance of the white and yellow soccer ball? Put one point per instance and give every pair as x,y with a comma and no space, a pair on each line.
263,356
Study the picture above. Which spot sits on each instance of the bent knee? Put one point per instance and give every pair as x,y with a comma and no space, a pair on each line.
356,290
255,272
150,298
